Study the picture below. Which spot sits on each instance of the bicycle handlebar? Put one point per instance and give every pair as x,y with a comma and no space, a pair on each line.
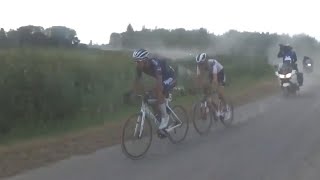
147,97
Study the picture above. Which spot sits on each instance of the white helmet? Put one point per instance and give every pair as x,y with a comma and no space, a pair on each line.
140,54
201,57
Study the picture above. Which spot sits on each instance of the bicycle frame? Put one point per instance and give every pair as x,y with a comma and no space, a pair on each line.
175,115
216,105
145,111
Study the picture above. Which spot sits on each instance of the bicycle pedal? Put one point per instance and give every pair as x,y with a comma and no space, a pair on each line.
215,117
162,134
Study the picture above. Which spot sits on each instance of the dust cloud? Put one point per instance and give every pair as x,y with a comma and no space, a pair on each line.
224,45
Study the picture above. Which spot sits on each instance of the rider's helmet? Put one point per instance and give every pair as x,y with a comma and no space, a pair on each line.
285,47
140,54
288,46
201,57
305,57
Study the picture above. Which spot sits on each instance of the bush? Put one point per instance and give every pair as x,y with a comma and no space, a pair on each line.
45,86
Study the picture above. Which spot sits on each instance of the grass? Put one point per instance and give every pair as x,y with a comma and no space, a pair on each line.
86,121
49,92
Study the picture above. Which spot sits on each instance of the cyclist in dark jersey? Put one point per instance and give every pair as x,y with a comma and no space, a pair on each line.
164,75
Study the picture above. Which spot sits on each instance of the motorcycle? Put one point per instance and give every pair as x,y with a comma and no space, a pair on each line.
308,66
288,79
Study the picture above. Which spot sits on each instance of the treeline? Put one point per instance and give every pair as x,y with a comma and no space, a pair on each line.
177,38
232,42
29,36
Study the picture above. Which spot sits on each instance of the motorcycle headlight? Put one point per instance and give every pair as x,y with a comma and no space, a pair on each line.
288,75
308,64
281,75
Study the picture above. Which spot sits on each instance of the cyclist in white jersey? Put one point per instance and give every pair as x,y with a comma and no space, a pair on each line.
216,75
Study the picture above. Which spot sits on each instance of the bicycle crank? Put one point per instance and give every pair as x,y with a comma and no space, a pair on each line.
162,134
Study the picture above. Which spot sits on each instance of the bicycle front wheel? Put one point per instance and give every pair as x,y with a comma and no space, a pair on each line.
136,136
179,119
202,118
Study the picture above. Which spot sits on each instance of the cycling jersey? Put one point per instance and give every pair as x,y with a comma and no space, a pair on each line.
160,66
216,68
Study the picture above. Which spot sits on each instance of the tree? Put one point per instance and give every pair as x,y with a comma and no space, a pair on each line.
13,38
130,29
115,40
3,38
26,33
39,38
30,29
3,35
128,40
75,41
61,35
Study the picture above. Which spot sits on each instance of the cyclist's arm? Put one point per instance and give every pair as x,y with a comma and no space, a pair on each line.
159,87
280,54
137,82
295,59
215,78
198,78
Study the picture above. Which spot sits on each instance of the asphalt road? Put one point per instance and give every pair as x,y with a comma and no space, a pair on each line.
275,138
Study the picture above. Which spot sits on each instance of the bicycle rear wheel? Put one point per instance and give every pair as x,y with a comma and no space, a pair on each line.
202,118
178,134
131,134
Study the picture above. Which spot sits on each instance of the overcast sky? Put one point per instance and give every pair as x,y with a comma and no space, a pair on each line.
97,19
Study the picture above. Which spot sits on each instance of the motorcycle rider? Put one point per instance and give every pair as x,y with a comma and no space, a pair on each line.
305,59
307,64
288,55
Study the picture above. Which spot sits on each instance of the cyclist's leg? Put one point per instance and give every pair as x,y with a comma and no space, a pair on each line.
222,96
155,106
209,95
167,85
221,84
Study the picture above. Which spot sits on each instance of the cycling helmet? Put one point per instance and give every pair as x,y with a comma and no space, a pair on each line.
140,54
288,45
201,57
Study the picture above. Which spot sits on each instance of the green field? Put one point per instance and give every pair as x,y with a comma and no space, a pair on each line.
51,91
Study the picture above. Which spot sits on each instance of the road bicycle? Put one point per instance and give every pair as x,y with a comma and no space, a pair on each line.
144,121
203,114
